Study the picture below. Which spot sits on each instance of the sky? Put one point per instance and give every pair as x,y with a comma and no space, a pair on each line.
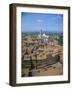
31,22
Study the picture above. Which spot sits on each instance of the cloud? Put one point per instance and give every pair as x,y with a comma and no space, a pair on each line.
39,20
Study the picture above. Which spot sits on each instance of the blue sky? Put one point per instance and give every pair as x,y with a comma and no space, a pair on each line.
31,22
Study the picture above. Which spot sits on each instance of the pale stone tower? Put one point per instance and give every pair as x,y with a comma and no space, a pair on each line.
41,33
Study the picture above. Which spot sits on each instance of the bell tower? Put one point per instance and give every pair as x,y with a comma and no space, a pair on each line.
41,33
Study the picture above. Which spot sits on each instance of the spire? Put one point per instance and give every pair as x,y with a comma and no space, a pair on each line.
41,33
